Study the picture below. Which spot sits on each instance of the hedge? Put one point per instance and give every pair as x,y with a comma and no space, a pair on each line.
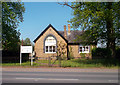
118,53
104,53
100,52
13,56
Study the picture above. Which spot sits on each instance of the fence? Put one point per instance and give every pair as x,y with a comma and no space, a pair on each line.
48,61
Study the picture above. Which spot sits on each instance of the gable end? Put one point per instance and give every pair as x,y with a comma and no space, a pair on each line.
46,30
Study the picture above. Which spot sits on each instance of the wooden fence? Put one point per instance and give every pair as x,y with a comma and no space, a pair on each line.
48,61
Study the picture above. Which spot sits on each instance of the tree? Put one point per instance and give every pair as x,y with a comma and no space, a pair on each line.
27,42
99,21
12,15
0,25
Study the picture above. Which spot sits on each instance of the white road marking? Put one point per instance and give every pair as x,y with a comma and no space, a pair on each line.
30,78
63,79
45,79
113,80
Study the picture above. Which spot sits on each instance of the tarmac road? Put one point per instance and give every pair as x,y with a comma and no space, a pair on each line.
58,77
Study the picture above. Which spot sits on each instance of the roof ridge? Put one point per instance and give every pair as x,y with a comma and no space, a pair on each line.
46,30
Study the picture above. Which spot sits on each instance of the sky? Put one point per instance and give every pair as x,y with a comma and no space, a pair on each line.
39,15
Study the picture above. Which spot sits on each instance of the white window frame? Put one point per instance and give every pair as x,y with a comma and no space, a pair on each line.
85,49
49,50
48,43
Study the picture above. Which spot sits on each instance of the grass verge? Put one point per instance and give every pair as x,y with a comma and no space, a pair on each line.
83,63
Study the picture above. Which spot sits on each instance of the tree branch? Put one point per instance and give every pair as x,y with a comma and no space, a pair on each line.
66,4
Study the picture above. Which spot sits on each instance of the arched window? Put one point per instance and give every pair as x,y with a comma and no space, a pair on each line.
50,45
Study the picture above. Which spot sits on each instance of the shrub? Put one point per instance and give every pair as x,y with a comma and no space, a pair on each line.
11,56
70,53
101,53
82,55
117,53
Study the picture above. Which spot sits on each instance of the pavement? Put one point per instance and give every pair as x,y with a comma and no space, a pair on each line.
58,69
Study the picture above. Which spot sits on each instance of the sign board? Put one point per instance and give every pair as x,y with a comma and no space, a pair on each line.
26,49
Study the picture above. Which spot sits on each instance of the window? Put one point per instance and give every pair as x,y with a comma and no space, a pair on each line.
46,48
50,45
53,48
84,49
50,48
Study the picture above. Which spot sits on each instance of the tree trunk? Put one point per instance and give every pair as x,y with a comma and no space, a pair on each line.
110,31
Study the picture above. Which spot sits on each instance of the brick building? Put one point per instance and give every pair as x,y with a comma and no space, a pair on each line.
46,43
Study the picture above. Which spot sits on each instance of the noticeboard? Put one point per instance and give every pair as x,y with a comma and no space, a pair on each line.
26,49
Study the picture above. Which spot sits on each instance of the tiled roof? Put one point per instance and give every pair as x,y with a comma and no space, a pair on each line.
72,36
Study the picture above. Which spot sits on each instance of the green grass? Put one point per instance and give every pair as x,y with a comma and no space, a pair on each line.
16,64
83,63
90,63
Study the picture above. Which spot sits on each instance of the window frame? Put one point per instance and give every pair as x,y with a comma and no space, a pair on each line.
52,41
84,50
49,49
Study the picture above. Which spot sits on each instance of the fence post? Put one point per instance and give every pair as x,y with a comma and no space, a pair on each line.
49,63
59,61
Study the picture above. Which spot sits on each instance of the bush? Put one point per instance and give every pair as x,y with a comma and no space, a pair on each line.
10,56
82,55
117,53
101,53
70,53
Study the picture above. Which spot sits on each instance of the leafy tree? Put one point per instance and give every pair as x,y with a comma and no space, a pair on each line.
0,26
99,21
12,15
27,42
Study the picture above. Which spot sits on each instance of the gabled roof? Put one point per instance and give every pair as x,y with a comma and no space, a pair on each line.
73,39
46,30
72,36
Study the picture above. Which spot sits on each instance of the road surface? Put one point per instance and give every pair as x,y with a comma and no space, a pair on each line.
58,77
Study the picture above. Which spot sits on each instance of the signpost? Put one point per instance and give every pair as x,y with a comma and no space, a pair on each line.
32,54
25,49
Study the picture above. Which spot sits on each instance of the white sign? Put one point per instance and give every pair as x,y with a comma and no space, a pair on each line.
26,49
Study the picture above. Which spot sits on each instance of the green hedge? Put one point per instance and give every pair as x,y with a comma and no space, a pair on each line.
118,53
10,56
100,52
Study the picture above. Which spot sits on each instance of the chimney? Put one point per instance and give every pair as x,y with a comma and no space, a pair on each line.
65,33
68,29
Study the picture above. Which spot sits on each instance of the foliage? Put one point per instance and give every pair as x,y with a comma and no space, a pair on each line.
0,25
98,21
100,53
82,55
61,49
117,53
12,15
26,42
70,53
10,56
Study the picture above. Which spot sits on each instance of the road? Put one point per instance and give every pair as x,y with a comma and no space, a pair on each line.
58,77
